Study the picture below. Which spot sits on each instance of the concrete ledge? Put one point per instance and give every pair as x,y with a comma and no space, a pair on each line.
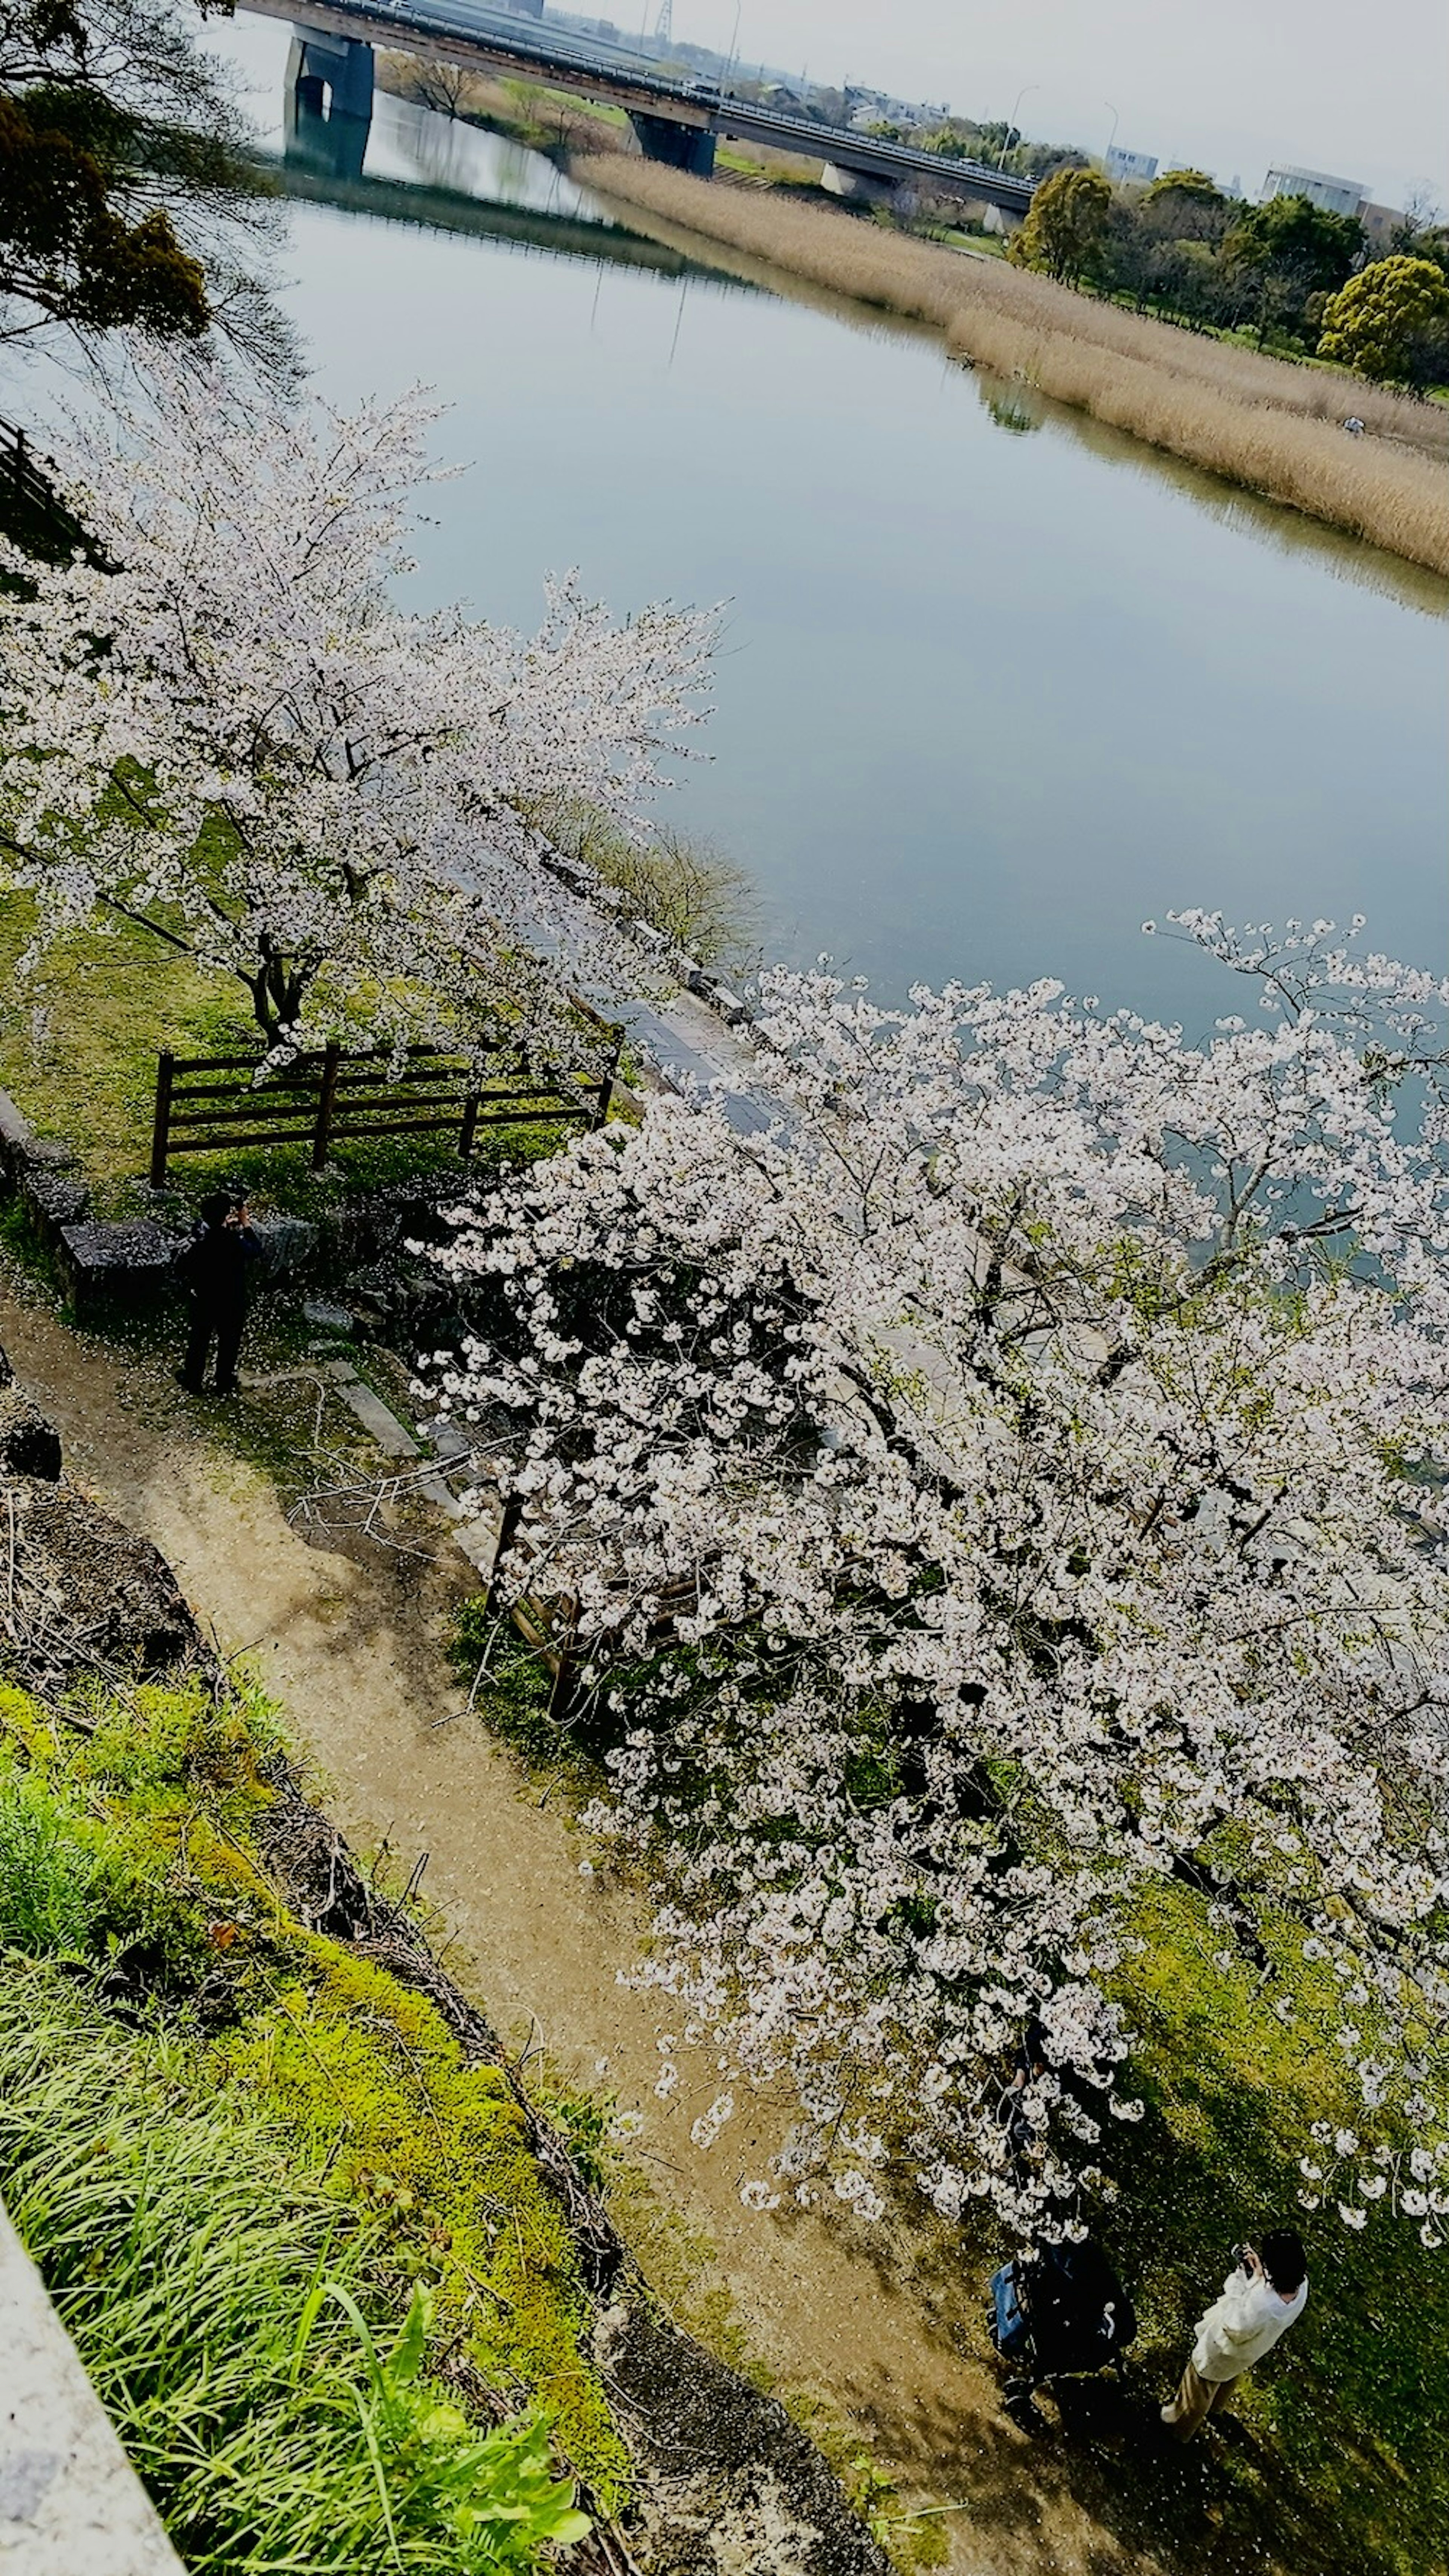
102,1262
70,2502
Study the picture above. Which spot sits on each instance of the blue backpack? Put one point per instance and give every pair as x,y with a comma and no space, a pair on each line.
1009,2330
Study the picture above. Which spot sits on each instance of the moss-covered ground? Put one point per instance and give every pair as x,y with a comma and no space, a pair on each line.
275,2203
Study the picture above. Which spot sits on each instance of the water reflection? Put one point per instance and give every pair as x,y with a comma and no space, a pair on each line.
417,143
1012,410
411,165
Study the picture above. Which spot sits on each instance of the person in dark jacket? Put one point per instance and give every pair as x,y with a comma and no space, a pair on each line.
218,1267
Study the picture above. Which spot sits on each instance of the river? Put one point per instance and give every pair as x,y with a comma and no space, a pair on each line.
996,685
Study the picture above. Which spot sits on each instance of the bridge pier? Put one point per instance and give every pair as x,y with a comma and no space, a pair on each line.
858,187
681,147
327,103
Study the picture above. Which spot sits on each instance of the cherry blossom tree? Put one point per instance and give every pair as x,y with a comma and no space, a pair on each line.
1013,1478
221,725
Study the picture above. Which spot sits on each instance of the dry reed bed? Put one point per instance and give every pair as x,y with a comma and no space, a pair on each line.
1254,420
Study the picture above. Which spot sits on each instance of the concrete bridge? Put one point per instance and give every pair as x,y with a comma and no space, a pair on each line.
676,121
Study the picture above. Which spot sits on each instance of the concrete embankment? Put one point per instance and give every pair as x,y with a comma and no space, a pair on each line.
69,2499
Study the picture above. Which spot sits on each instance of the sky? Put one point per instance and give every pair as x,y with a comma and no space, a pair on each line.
1233,87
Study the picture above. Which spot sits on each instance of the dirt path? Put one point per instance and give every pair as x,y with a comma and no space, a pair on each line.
876,2324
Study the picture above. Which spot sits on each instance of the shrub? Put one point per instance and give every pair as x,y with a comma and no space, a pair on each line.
1391,323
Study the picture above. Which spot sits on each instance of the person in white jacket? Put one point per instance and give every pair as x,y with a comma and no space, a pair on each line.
1265,2296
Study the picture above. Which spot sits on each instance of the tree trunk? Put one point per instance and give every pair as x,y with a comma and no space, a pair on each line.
278,989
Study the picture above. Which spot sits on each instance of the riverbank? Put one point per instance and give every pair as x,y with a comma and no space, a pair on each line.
876,2333
1257,421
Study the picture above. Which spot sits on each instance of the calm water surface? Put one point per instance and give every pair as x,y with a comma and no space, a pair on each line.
989,695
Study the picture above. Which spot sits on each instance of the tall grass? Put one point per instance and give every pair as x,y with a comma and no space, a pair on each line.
205,2284
52,1882
1256,420
265,2188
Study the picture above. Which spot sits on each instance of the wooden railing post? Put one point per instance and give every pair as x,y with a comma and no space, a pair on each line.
325,1105
161,1128
508,1520
469,1128
560,1698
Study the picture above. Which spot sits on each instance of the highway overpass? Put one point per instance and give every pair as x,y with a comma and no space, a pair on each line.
677,121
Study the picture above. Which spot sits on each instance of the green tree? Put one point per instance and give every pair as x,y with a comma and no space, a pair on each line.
1065,232
1193,186
1283,252
952,143
1185,205
128,195
1431,244
1391,322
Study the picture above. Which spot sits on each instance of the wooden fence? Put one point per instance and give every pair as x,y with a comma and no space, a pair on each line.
213,1104
28,500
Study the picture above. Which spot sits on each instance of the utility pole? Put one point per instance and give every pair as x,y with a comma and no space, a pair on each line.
664,23
1012,128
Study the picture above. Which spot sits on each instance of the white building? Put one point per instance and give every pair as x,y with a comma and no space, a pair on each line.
1133,166
1335,196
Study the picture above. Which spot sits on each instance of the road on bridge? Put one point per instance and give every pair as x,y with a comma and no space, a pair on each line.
677,120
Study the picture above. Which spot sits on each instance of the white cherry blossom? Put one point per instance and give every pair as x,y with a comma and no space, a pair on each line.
225,726
1012,1477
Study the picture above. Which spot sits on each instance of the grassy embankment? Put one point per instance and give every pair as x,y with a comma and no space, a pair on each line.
78,1050
1257,421
1338,2462
300,2240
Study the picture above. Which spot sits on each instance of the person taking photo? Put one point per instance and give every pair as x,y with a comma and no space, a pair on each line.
1261,2299
218,1267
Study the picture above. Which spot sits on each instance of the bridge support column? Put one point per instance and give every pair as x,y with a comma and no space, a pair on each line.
682,147
858,187
336,70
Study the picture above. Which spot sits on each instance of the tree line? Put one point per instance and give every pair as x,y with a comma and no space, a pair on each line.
1293,274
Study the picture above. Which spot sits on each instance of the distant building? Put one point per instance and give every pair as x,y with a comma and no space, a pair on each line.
1335,196
1381,223
1130,165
